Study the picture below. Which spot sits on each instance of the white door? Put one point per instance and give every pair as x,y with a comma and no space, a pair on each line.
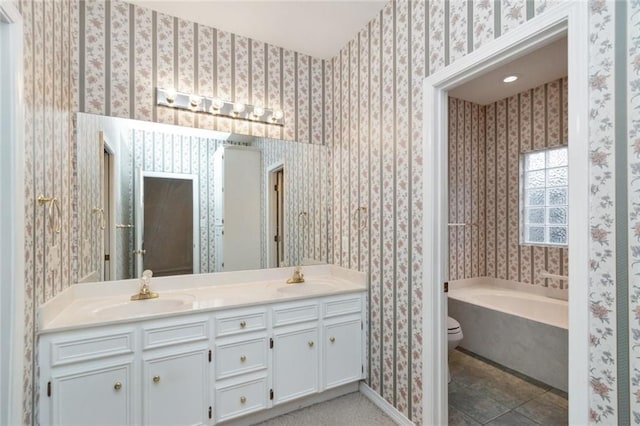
176,389
342,352
138,249
100,396
295,363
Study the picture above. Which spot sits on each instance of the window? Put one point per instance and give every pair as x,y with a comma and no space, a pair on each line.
544,197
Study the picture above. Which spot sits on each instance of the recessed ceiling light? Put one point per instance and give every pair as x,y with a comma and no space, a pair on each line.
510,78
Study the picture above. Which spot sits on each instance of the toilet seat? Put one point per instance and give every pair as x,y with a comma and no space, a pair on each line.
453,326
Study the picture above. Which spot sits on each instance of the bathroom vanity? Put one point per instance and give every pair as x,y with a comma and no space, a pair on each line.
212,347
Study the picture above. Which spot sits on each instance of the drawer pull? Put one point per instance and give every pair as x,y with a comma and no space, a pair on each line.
117,386
243,358
243,399
332,339
243,324
310,343
156,379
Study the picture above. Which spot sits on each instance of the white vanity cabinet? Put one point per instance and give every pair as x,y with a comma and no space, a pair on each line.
88,378
241,362
201,368
296,367
175,372
156,372
343,341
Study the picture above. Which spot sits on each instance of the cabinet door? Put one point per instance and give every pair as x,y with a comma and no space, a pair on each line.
175,389
295,363
342,353
98,396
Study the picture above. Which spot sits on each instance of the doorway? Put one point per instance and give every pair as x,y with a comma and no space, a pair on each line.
167,224
12,285
276,216
568,19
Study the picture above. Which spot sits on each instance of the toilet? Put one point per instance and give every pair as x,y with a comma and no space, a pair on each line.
454,337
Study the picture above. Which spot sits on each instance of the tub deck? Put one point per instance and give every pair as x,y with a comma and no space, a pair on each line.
524,331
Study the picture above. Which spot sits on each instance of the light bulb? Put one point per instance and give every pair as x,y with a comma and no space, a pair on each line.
258,112
278,115
170,95
217,104
194,101
238,108
510,78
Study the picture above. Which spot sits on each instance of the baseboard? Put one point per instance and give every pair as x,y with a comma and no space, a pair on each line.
382,404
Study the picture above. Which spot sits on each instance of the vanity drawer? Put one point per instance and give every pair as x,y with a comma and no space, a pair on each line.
342,306
238,400
240,322
162,334
240,357
83,347
295,313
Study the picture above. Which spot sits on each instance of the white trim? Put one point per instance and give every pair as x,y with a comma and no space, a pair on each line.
12,174
114,183
196,208
382,404
270,182
570,18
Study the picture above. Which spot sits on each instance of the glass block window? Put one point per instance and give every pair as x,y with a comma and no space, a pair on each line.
544,197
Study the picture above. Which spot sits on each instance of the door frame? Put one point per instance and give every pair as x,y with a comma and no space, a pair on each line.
196,208
270,181
12,231
566,18
110,175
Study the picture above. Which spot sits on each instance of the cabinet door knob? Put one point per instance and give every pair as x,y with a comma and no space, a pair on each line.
156,379
332,339
117,386
243,358
310,343
243,324
243,399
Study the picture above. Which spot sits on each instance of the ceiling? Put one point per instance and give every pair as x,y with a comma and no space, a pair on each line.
319,28
538,67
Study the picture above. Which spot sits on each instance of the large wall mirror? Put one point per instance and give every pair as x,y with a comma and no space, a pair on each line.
178,200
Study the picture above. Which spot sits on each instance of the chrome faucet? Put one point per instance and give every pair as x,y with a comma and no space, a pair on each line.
297,277
145,292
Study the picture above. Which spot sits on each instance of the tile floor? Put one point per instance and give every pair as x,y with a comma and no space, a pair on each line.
481,393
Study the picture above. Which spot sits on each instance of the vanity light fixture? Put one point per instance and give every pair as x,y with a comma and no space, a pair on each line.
218,107
510,78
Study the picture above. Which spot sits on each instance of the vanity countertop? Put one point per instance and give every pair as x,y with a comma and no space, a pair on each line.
95,304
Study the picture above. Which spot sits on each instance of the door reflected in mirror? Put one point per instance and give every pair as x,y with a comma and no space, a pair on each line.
180,200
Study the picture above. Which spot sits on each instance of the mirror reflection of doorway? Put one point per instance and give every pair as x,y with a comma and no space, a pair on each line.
276,216
170,228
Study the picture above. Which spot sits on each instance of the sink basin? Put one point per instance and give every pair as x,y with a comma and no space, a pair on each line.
305,288
138,308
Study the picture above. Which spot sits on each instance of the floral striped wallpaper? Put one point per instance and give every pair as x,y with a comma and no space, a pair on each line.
633,123
49,96
485,143
374,128
132,50
366,105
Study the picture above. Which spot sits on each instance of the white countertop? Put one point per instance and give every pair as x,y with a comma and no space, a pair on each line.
94,304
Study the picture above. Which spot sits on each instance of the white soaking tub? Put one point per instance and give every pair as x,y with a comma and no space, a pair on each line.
516,325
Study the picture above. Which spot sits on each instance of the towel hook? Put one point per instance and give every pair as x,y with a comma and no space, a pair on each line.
360,222
55,227
100,211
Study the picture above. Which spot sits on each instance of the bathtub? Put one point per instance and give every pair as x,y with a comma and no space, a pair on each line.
516,325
